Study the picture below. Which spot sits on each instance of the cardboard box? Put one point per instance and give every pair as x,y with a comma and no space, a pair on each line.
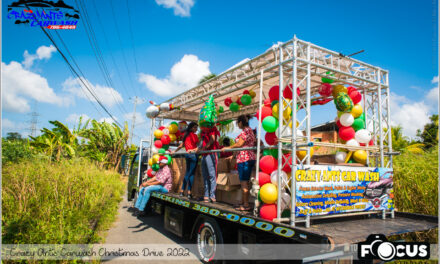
198,188
228,181
232,163
178,169
223,165
232,197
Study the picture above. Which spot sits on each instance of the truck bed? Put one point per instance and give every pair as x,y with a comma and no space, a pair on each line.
344,229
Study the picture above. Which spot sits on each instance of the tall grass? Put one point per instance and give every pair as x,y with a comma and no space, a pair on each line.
68,202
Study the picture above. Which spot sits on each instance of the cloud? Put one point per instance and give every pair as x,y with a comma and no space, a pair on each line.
74,118
435,79
432,96
140,118
184,75
180,7
43,52
107,120
19,84
11,126
107,95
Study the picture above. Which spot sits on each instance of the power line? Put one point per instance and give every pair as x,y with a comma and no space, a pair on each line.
131,36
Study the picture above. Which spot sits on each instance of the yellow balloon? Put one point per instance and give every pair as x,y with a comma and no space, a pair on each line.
360,156
252,93
286,112
173,128
302,153
339,89
269,193
150,162
158,133
156,158
172,137
356,111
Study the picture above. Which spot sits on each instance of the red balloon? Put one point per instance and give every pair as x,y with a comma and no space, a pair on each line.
325,90
150,172
346,133
158,144
362,144
271,138
338,123
268,211
161,128
274,93
263,178
350,89
228,101
265,112
355,96
165,140
371,143
268,164
287,93
245,92
286,167
266,102
239,101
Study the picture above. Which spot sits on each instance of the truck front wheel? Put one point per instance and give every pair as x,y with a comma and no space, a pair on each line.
209,240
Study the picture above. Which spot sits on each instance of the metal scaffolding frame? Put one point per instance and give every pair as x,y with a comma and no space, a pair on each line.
301,64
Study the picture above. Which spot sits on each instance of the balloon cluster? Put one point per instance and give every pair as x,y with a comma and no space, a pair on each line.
350,120
154,110
235,102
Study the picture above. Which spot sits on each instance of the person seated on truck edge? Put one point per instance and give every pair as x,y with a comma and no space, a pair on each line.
226,143
161,182
190,141
209,136
245,158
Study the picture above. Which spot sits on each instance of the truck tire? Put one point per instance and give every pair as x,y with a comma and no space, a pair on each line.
209,240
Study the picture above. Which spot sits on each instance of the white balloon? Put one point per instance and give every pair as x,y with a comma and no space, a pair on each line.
346,119
274,180
287,132
353,143
363,136
154,150
152,111
299,132
165,107
340,156
166,131
285,200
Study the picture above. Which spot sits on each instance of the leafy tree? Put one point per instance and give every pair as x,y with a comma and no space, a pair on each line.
429,135
15,151
207,77
402,143
13,136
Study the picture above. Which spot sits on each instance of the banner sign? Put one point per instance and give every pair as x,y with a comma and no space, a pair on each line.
323,190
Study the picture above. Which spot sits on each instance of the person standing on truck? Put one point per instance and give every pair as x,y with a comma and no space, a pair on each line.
209,137
190,141
245,158
162,182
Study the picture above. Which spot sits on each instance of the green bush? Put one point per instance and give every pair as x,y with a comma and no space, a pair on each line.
68,202
15,150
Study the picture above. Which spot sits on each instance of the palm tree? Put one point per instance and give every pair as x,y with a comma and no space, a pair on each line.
207,77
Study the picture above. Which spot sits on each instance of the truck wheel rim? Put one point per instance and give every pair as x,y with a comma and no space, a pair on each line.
207,243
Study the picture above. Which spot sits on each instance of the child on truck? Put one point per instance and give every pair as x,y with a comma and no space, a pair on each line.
161,182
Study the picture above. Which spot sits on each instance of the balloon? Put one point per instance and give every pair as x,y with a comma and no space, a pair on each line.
152,111
172,137
363,136
161,128
326,80
274,93
246,99
150,162
266,102
360,156
234,107
165,140
170,160
325,90
263,178
155,167
239,101
156,158
355,96
165,147
301,154
246,92
271,138
265,111
208,113
154,149
285,200
340,113
274,180
346,133
174,123
158,133
287,92
287,161
235,98
346,119
173,128
350,89
338,123
340,156
274,102
221,109
271,152
228,101
270,124
165,107
286,112
356,111
268,211
268,164
352,142
358,124
371,143
166,131
158,144
343,103
338,89
149,172
252,94
269,193
161,151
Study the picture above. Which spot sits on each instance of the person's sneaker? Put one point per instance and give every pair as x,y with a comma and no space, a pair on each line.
181,194
189,196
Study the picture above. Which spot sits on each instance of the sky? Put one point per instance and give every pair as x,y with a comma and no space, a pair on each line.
155,49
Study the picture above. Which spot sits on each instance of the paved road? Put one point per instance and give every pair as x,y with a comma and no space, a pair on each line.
130,229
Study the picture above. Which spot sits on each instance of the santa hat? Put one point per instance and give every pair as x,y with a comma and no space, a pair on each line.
163,160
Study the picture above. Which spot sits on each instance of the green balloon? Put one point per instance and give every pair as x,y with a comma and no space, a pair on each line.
362,116
270,124
246,99
170,160
358,124
326,80
161,151
350,161
273,103
343,103
165,147
340,113
221,109
259,198
175,123
234,107
155,167
271,152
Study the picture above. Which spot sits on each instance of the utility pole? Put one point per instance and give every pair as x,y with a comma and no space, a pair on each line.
136,100
34,121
